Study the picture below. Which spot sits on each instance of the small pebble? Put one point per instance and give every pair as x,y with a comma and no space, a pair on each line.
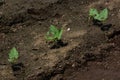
68,29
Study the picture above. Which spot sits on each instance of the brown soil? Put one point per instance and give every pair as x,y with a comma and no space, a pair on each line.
92,52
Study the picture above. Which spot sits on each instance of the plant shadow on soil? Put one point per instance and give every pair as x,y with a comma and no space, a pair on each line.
103,27
18,69
57,44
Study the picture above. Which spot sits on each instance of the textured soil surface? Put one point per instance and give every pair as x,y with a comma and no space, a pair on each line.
92,52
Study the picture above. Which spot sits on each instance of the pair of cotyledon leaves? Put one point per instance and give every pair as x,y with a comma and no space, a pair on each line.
54,34
100,16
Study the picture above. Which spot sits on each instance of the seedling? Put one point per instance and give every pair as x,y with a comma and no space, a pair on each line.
100,16
54,34
13,55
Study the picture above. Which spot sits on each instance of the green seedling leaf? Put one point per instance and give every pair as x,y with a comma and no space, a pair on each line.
102,16
54,34
60,34
93,12
13,55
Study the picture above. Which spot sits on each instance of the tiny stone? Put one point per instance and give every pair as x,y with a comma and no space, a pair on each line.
73,65
68,29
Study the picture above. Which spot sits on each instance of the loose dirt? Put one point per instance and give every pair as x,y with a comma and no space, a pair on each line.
92,52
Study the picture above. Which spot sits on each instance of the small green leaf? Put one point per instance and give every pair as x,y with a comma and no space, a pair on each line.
13,55
60,34
93,12
53,30
54,34
49,38
103,15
